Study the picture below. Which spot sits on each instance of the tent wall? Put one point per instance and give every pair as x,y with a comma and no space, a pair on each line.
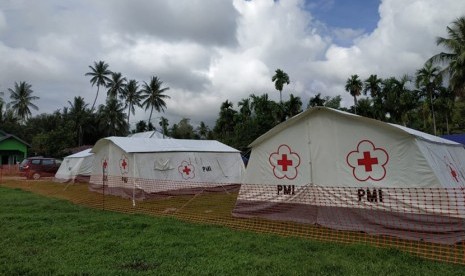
76,169
161,172
354,173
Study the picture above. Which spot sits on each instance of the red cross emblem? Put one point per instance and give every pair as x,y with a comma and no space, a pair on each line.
284,163
124,165
186,170
454,173
104,165
368,161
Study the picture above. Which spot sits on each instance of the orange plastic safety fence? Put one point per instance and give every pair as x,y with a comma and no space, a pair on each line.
426,222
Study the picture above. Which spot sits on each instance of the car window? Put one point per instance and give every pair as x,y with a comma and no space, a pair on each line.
35,161
25,161
47,162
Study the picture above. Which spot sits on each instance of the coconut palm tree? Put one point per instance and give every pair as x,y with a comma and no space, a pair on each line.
455,57
293,106
21,100
112,118
280,78
373,85
354,87
78,113
131,96
116,85
153,95
429,80
99,76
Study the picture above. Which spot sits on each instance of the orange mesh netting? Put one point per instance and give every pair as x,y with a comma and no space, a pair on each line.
426,222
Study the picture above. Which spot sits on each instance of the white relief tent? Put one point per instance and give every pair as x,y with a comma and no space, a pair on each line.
140,167
76,167
327,167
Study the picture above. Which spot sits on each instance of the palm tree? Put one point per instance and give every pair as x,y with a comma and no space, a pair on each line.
280,78
293,106
164,125
112,118
21,100
203,130
354,87
79,114
429,80
373,84
132,96
154,97
99,76
245,109
116,85
455,44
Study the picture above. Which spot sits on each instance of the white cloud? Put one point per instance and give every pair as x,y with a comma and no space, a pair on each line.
209,51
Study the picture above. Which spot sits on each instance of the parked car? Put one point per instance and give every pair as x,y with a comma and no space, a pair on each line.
37,167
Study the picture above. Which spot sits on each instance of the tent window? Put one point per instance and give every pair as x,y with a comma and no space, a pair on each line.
162,164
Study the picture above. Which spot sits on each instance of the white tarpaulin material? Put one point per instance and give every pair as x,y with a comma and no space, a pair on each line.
160,165
351,162
75,167
154,134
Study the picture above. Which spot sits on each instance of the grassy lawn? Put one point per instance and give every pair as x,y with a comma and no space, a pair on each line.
40,235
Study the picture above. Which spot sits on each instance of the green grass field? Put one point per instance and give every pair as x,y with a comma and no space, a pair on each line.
43,236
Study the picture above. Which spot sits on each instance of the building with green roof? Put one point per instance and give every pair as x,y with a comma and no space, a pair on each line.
12,149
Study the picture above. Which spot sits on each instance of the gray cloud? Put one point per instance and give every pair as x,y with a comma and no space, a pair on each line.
208,51
205,22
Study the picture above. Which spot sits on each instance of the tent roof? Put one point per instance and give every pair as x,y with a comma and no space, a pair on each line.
376,123
80,154
131,145
149,134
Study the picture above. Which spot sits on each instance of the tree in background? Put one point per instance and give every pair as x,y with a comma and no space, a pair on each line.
112,118
455,58
116,85
429,79
131,96
154,97
99,76
280,78
21,100
354,87
164,125
78,114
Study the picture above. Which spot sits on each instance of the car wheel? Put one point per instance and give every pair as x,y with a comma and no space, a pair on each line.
36,176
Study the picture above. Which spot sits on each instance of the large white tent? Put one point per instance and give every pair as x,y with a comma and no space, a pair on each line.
348,172
76,167
141,167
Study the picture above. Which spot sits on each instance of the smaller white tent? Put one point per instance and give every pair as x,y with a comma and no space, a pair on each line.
76,167
141,167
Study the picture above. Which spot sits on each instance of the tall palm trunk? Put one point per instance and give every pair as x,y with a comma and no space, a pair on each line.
150,117
129,112
432,111
95,100
355,104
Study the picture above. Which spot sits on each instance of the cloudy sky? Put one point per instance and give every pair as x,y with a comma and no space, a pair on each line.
209,51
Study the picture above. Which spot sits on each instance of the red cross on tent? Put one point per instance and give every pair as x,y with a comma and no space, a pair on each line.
124,165
187,170
284,163
368,161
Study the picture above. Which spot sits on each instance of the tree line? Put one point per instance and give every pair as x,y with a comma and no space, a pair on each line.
430,100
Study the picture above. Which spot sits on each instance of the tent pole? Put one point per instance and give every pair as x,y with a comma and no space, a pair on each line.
134,182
